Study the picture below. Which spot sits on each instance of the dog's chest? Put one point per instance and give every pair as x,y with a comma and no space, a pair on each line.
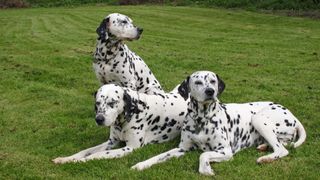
114,71
210,136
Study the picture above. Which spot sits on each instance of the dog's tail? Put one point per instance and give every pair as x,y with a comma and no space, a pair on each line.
301,133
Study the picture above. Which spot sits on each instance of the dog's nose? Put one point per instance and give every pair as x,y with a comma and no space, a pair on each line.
99,119
209,92
140,30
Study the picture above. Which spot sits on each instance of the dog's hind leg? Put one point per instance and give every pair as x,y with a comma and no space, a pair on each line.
265,128
262,147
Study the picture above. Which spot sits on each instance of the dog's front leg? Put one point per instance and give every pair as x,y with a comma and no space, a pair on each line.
133,142
87,152
176,152
212,156
109,154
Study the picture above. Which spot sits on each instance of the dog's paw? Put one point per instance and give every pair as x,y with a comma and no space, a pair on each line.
139,167
264,159
262,147
208,172
205,169
61,160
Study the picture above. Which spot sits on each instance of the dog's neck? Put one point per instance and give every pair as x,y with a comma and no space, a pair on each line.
202,112
107,48
134,104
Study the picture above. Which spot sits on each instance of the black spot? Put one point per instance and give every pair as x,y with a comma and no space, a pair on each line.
163,127
148,118
165,137
156,120
154,128
172,122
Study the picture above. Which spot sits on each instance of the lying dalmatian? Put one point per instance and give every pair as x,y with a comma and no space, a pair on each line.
221,130
115,63
135,118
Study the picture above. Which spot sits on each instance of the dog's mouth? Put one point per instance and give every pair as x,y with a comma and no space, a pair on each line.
138,37
135,38
131,39
209,100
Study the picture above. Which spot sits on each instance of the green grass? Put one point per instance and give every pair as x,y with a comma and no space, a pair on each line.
247,4
46,82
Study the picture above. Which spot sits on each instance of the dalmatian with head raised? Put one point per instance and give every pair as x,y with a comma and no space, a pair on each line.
221,130
135,118
115,63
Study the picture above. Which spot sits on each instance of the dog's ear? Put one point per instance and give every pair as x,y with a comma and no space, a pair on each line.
130,106
221,85
102,29
184,89
94,94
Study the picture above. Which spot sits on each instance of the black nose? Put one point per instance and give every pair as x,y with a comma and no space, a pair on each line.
140,30
209,92
99,119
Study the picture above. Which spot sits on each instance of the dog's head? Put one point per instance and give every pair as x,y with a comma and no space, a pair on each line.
119,27
203,86
113,101
109,104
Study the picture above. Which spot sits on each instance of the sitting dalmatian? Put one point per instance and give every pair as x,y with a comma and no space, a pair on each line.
115,63
135,118
221,130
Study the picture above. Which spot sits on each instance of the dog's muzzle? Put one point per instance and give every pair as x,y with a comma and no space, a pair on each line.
139,30
209,92
100,120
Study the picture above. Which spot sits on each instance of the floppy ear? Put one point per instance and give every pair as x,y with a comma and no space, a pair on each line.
95,94
221,85
130,107
102,29
184,89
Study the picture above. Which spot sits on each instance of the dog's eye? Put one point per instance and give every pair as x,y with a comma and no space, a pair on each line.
212,81
112,103
198,83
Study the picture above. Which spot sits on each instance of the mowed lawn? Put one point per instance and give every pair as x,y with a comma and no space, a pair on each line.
47,81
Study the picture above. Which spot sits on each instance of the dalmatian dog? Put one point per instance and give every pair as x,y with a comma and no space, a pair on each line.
221,130
115,63
135,118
